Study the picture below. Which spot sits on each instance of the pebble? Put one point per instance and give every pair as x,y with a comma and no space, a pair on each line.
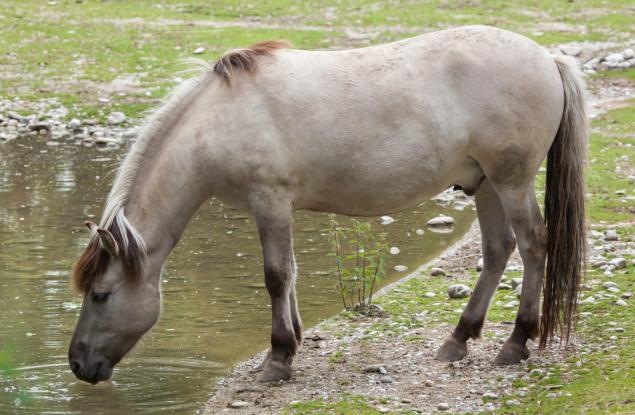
588,300
386,379
504,286
490,395
512,402
394,250
441,220
436,272
614,290
443,406
609,284
621,303
401,268
386,220
459,291
199,50
519,290
479,264
376,369
419,232
618,263
116,117
611,235
511,304
238,404
627,295
430,294
428,383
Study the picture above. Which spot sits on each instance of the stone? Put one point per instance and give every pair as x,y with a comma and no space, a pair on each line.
504,286
419,232
386,220
512,402
116,118
40,126
516,282
440,220
519,290
614,290
15,116
588,300
386,379
459,291
436,272
511,304
618,263
199,50
570,50
490,395
536,372
621,303
380,368
479,264
613,59
394,250
611,235
628,53
626,296
238,404
430,294
443,406
75,124
428,383
401,268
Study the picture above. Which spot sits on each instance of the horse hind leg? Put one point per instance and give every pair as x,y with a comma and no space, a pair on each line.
497,245
523,212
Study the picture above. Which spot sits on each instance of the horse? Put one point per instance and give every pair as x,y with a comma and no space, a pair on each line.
360,132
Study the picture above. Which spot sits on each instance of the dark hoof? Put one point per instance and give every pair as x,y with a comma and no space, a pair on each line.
512,353
275,371
451,350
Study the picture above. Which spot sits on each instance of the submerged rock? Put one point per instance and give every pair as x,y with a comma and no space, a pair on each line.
441,220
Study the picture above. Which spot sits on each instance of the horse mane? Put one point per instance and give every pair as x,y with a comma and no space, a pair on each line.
132,248
246,59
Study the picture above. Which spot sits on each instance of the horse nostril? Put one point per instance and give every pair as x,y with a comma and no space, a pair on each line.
75,366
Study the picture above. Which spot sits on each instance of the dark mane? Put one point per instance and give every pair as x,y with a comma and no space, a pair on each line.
246,60
95,259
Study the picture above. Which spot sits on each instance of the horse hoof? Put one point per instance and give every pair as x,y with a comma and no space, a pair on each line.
264,363
451,350
275,371
512,353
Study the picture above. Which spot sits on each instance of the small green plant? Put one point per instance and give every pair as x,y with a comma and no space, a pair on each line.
360,257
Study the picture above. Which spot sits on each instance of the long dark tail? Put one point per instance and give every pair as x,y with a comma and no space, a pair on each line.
564,210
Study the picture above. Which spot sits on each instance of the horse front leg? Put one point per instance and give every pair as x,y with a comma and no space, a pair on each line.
274,227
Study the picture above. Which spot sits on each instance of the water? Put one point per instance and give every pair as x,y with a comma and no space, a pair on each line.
216,308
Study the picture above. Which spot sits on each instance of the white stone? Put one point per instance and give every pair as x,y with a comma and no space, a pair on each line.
430,294
199,50
588,300
611,235
459,291
490,395
621,303
401,268
386,220
628,53
441,220
239,404
443,406
419,232
394,250
116,117
435,272
511,304
618,263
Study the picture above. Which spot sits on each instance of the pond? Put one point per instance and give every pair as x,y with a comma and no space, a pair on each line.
216,308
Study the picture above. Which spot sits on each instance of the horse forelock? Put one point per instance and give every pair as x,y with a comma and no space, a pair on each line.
246,60
94,262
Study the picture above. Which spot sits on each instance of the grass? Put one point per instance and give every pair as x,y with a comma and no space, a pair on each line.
78,52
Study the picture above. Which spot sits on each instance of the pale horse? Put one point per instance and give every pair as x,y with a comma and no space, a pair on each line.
359,132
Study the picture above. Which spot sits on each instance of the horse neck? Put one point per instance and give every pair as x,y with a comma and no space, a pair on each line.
167,191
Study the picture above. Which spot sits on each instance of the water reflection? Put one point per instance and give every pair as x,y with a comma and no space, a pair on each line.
216,310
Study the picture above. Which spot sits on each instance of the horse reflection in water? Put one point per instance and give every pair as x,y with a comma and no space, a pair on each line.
358,132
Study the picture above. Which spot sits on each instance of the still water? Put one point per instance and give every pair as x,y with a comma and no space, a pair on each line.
216,308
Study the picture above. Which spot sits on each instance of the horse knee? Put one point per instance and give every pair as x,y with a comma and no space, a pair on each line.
277,280
497,252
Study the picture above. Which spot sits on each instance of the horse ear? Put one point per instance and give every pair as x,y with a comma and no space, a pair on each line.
92,226
108,242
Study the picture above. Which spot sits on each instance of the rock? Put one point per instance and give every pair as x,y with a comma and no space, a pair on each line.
419,232
238,404
386,379
75,125
512,402
376,369
430,294
621,303
459,291
536,372
199,51
443,406
40,126
440,220
618,263
401,268
620,192
627,295
611,235
628,53
490,395
116,118
479,264
516,282
503,286
570,50
428,383
614,290
386,220
609,284
436,272
15,116
588,300
511,304
599,264
519,290
613,59
394,250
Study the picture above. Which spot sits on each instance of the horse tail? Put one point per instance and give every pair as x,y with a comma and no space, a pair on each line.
564,210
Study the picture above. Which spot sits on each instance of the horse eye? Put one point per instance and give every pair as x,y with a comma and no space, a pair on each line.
100,297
